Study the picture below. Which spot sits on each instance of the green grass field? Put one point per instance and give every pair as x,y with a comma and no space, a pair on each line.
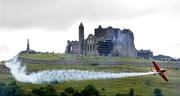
56,56
143,86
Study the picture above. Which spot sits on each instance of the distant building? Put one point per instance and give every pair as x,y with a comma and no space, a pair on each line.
145,54
163,58
178,59
28,50
120,43
72,47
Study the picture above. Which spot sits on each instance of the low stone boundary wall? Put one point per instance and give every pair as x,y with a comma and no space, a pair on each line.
97,62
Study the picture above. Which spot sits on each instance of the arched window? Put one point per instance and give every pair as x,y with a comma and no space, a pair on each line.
93,47
71,48
90,47
87,47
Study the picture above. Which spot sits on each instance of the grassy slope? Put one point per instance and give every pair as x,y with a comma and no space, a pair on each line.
55,56
143,86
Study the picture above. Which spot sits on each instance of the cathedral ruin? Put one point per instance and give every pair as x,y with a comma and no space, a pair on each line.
105,41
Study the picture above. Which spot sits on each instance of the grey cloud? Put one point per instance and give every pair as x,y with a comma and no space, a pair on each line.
61,14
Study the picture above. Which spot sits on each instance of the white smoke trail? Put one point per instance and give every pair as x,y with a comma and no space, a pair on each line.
49,76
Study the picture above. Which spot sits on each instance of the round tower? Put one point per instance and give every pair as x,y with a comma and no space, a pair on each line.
28,47
81,39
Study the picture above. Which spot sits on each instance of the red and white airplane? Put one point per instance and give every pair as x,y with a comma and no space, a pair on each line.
159,70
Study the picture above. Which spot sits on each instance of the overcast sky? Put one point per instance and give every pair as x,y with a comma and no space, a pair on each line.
50,23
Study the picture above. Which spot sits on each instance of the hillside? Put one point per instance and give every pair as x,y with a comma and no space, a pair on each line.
143,86
55,58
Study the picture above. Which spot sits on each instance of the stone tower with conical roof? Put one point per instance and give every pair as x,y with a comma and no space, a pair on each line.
81,39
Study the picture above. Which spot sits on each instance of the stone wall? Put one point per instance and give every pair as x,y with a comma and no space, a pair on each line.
97,62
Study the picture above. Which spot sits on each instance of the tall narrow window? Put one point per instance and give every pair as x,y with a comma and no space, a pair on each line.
90,47
71,49
93,47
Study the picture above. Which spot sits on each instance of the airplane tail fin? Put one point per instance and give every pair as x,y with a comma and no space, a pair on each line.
152,71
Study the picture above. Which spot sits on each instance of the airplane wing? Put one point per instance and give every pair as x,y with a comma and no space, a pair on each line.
156,66
163,76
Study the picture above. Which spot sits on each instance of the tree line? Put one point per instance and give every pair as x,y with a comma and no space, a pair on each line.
12,89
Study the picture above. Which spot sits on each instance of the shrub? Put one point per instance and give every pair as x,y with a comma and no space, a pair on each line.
121,94
45,91
94,64
131,92
158,92
10,90
69,90
90,90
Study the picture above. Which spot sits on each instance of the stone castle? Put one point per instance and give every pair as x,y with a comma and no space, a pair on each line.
122,42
